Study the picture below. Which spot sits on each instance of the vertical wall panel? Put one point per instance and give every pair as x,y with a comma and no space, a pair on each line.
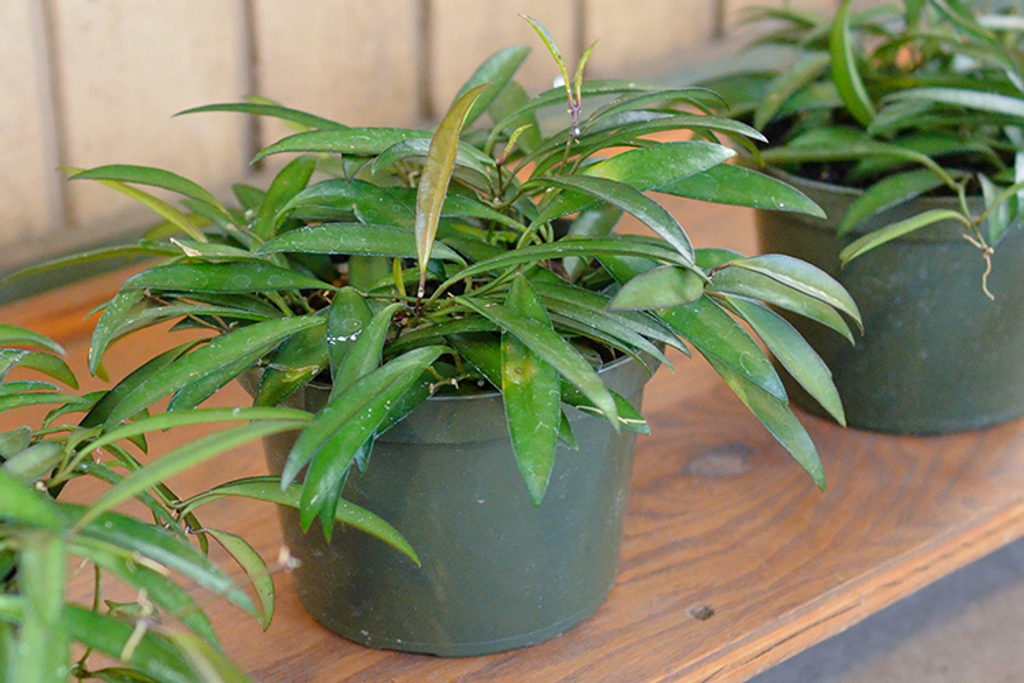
348,60
638,37
466,32
26,166
125,67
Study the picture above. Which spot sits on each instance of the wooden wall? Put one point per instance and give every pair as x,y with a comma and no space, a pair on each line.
90,82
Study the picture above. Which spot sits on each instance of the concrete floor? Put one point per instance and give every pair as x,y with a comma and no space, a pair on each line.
966,628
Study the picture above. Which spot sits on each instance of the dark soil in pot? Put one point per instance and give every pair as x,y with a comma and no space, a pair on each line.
937,356
497,573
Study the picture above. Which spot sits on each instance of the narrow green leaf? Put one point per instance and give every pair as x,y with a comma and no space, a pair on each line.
43,643
153,655
795,354
109,324
738,186
269,489
844,68
467,156
223,278
552,46
299,359
348,405
758,287
161,590
662,287
291,180
776,416
554,350
361,142
530,389
350,421
896,230
161,547
353,238
495,72
632,201
888,192
723,342
274,111
793,79
179,460
255,568
157,206
11,334
35,461
804,278
153,177
365,353
169,378
971,99
437,173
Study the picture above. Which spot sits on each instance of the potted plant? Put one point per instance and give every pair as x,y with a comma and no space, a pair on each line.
905,123
458,312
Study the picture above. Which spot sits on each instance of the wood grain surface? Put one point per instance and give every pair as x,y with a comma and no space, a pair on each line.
732,560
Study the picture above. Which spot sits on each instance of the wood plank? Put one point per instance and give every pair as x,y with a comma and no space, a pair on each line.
125,67
635,36
347,60
719,516
25,151
466,32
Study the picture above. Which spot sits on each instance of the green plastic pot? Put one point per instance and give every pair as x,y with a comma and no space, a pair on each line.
497,573
937,356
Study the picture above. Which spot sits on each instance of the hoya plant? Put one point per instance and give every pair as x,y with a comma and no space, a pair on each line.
923,97
163,633
392,265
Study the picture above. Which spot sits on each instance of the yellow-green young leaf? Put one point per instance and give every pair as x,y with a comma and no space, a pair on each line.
556,54
844,69
531,395
437,173
255,568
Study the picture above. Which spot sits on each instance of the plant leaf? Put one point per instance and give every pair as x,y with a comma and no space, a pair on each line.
844,69
292,179
255,568
738,186
531,395
795,354
776,416
758,287
804,278
269,489
361,142
42,638
552,348
895,230
723,342
632,201
496,72
662,287
272,110
11,334
790,81
888,192
971,99
299,359
437,173
224,348
221,278
353,238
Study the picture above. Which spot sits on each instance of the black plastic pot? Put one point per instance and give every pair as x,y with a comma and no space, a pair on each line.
497,573
937,356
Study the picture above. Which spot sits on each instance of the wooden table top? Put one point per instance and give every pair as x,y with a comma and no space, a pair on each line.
719,517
